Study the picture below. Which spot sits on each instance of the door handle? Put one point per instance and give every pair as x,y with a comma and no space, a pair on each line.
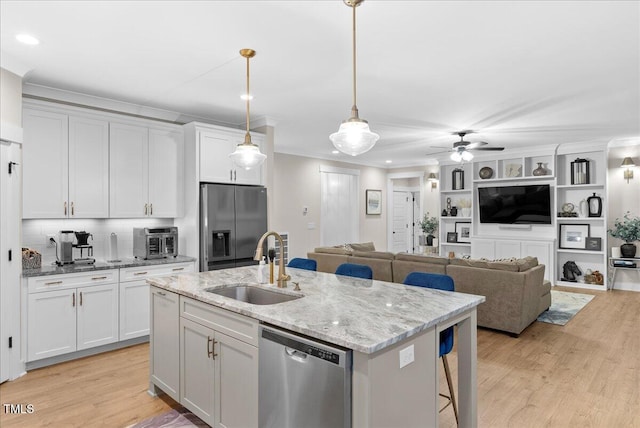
230,175
81,298
211,349
73,300
150,209
296,355
145,209
72,209
65,208
235,175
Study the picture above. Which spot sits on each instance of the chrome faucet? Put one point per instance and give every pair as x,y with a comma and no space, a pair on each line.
282,275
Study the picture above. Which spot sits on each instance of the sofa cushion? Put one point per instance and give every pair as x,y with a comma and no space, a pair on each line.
422,259
374,254
485,264
526,263
364,246
333,250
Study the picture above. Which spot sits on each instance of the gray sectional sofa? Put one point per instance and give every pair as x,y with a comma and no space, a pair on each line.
515,290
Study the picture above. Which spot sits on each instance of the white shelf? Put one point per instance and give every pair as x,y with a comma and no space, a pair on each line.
578,251
456,244
465,219
580,186
508,179
455,191
579,285
578,219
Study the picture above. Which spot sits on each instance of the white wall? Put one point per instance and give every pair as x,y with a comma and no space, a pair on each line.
623,197
296,184
10,106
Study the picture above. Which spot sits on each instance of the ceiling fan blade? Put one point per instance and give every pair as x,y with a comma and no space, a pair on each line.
476,144
496,149
438,153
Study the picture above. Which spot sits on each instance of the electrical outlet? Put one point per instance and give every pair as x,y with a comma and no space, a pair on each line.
49,242
406,356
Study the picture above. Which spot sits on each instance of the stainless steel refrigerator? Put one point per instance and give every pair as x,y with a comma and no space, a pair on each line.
232,220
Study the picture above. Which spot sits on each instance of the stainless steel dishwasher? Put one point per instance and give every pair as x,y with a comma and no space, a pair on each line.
302,383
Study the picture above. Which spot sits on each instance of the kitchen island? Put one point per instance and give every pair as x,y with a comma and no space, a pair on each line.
383,323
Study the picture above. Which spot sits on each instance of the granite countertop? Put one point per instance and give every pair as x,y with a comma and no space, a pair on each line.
363,315
102,265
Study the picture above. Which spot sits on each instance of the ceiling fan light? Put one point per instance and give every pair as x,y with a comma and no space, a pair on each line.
247,156
467,156
354,137
456,157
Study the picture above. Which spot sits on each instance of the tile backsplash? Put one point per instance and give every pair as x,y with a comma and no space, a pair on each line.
35,232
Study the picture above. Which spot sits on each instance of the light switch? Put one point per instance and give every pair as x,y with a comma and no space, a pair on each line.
406,356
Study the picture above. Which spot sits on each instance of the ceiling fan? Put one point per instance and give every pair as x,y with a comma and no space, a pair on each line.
461,150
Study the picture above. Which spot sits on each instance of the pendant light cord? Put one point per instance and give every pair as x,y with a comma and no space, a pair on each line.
248,95
354,56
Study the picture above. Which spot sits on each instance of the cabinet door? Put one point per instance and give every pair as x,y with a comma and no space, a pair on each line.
197,369
248,176
134,309
97,315
51,324
165,173
128,171
88,168
236,383
165,342
45,164
215,165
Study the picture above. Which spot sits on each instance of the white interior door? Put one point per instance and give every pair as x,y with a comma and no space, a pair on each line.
339,206
401,231
417,230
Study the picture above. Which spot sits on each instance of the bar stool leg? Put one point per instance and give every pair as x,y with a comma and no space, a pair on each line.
447,373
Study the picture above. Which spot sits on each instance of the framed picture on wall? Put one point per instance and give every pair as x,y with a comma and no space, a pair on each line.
452,237
374,202
463,229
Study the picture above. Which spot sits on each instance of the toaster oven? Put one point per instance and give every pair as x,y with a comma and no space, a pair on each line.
155,243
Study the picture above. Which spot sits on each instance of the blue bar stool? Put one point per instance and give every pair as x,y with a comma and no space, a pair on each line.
439,282
358,271
301,263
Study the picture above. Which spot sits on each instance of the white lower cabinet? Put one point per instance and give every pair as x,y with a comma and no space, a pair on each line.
164,354
218,372
71,319
134,296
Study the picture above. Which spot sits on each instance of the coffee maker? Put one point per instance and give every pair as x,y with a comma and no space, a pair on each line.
67,245
82,243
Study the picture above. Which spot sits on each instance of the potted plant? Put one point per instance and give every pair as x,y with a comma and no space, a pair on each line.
429,225
627,229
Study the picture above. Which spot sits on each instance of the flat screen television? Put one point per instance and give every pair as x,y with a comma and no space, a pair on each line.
529,204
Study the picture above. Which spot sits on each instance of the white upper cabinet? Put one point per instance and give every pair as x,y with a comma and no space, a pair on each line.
145,171
66,161
215,164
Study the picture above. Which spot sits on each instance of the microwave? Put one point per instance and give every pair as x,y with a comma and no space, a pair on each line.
155,243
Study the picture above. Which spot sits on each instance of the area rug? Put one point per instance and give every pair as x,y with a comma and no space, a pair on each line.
564,306
174,418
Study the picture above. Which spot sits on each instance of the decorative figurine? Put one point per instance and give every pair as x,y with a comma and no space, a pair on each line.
571,271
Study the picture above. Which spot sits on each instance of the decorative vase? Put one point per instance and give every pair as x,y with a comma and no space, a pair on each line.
540,170
465,212
430,240
454,211
485,172
628,250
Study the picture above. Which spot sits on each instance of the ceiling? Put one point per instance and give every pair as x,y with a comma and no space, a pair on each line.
521,73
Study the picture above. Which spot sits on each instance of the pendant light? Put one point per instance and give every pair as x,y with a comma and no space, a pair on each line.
247,154
353,136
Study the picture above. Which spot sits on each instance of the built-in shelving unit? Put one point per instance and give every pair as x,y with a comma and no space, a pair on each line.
595,227
541,165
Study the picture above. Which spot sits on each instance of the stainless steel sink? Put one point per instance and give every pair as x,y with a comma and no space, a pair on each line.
251,294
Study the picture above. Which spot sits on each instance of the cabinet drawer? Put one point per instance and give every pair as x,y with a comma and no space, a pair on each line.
71,280
227,322
143,272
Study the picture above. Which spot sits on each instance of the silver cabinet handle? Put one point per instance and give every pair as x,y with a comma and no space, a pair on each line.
53,283
97,278
235,175
230,175
151,209
73,300
161,293
177,269
72,209
140,273
81,298
65,208
211,349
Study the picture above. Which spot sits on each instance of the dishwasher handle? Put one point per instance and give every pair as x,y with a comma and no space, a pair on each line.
298,356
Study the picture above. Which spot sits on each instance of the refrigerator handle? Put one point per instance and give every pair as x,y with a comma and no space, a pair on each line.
205,226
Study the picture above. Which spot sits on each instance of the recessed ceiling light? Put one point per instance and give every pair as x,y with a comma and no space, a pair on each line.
27,39
335,152
388,161
246,97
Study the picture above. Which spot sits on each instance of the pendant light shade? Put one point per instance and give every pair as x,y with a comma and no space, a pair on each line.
354,136
247,154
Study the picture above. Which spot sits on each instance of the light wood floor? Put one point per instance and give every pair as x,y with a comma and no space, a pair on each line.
584,374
